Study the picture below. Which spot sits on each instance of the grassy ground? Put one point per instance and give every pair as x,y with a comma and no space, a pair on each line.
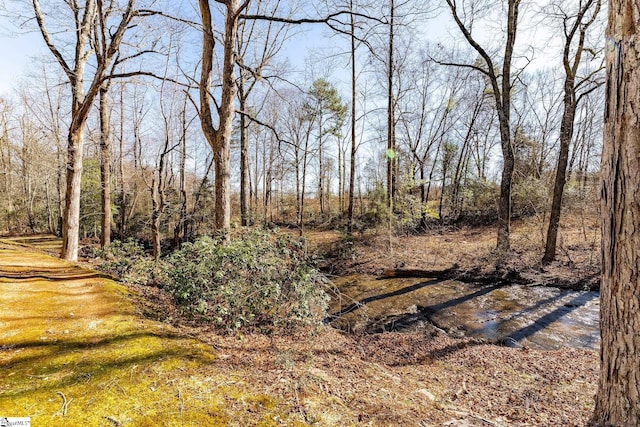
76,350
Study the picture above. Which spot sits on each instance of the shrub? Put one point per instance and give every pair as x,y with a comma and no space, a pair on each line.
254,280
530,197
129,262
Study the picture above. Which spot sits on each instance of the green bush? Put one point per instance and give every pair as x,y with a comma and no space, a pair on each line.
129,262
256,279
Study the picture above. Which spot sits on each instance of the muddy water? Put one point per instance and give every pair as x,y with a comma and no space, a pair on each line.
536,317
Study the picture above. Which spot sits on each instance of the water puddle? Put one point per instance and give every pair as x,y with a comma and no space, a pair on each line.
516,315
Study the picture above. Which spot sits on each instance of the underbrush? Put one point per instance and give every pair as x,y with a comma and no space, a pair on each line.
129,262
256,280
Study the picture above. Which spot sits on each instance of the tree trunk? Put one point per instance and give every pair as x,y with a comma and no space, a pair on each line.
180,230
71,219
566,134
504,117
570,102
391,132
105,168
618,397
245,214
304,182
156,213
352,159
219,139
122,201
320,166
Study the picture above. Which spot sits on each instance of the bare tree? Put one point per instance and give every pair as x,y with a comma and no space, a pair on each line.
354,145
618,396
575,27
501,84
391,110
219,137
258,43
89,17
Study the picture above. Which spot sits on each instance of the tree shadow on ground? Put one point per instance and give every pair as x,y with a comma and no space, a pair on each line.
544,321
358,304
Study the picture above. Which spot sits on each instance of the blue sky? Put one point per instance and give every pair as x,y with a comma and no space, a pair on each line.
16,54
18,50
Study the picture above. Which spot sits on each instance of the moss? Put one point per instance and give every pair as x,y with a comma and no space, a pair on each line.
73,352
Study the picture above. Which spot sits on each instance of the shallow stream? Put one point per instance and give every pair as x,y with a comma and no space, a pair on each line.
533,316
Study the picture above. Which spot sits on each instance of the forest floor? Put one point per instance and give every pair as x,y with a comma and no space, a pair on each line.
469,254
79,349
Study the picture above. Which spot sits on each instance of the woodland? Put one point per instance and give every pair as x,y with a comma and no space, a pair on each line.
231,163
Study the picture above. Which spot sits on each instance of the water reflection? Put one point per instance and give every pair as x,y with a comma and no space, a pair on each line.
539,317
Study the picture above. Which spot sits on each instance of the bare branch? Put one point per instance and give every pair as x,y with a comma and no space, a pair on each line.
150,12
47,39
326,20
455,64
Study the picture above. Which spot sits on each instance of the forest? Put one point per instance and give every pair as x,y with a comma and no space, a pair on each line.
402,191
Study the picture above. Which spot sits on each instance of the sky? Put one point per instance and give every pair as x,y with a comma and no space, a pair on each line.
19,51
16,54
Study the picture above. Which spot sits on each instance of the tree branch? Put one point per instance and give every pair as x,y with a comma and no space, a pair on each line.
47,39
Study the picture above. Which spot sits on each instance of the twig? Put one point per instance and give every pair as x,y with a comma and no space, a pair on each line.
484,420
65,403
181,402
566,253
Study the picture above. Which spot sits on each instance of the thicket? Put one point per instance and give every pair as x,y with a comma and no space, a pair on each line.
257,279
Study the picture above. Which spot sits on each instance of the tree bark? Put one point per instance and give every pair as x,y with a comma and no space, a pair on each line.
320,160
71,218
219,138
391,131
566,134
504,118
105,168
354,147
618,397
245,213
180,230
122,200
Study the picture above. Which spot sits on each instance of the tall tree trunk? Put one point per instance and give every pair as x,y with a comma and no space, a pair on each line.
219,139
504,118
122,201
304,183
296,153
320,165
354,147
391,131
156,213
50,216
570,102
107,42
180,230
245,213
618,397
566,135
501,87
105,167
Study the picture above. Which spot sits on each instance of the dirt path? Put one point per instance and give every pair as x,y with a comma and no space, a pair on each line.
74,352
